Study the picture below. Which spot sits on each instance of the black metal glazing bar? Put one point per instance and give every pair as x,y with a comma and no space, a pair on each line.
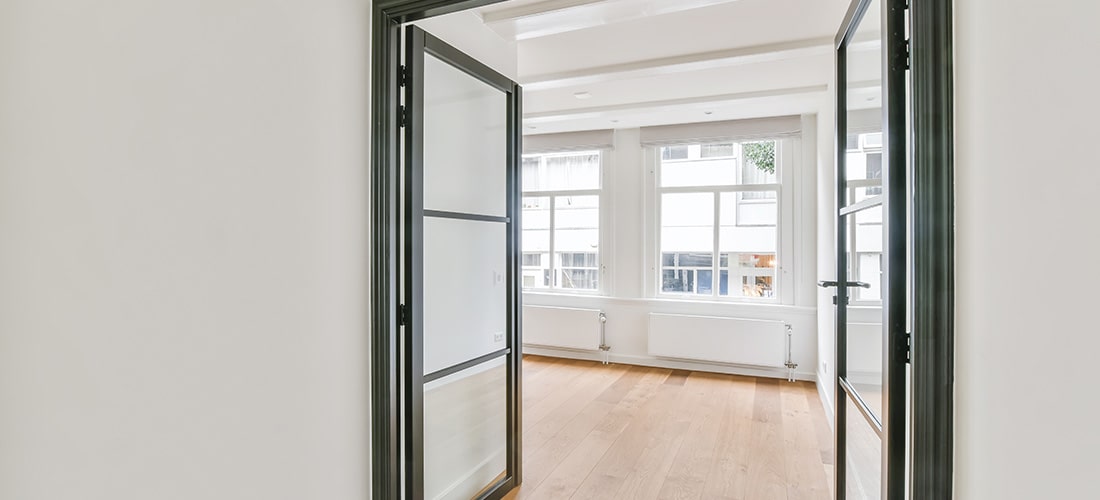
869,203
465,216
465,365
868,414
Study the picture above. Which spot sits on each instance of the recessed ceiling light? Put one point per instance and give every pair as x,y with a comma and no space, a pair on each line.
614,121
708,112
582,95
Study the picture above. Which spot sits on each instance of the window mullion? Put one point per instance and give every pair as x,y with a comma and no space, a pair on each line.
553,230
716,260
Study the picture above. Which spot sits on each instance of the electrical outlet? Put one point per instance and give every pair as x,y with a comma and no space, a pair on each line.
824,367
498,337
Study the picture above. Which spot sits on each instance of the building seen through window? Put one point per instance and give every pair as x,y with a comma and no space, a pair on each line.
561,221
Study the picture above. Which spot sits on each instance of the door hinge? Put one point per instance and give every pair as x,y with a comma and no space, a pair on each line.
402,116
905,55
403,76
402,315
908,347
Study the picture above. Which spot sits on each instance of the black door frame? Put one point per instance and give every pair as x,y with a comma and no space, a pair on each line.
387,413
890,424
933,164
931,48
418,44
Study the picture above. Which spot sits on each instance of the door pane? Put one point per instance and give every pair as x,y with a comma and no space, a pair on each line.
863,57
465,290
464,431
863,460
465,142
865,239
864,327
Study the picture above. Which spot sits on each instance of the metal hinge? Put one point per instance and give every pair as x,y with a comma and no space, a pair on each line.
905,55
908,347
402,116
403,76
402,315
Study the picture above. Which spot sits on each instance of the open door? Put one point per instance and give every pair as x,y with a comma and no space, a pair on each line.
871,234
460,347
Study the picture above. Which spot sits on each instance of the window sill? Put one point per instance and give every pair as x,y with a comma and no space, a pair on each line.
552,299
539,293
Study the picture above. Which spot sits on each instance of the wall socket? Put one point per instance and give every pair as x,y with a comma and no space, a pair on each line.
498,337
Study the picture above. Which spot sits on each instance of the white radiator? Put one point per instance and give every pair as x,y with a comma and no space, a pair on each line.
721,340
561,327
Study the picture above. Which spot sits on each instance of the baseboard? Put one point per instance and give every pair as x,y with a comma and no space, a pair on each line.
825,401
672,364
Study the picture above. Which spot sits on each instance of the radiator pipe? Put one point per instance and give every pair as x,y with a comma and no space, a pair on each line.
790,364
603,338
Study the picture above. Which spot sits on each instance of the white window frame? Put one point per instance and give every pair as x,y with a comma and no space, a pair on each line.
601,250
788,155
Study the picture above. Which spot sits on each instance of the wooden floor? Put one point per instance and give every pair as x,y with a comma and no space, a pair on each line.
592,431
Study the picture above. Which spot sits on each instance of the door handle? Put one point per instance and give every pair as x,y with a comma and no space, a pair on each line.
834,284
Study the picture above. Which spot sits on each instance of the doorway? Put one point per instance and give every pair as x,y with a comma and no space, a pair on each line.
389,373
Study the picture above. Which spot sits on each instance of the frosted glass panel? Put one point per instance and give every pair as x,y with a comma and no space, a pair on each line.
465,142
465,431
465,290
863,460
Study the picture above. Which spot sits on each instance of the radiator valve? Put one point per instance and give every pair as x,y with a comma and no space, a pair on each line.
790,364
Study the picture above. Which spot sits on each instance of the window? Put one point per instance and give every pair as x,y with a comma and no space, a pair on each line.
719,220
561,221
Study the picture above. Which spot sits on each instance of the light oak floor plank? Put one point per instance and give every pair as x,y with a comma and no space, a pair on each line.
614,431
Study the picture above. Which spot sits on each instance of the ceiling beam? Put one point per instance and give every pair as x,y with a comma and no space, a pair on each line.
658,105
522,11
679,64
550,17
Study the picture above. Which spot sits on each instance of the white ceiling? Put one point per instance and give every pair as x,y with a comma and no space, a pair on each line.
651,62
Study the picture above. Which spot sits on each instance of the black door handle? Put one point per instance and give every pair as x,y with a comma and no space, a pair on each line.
834,284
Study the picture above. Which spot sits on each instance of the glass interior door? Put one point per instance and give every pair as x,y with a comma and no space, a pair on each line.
871,226
461,289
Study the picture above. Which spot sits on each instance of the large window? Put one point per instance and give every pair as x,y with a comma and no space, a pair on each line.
561,221
719,218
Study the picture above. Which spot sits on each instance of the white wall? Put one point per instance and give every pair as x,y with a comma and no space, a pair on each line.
628,304
183,215
1026,108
